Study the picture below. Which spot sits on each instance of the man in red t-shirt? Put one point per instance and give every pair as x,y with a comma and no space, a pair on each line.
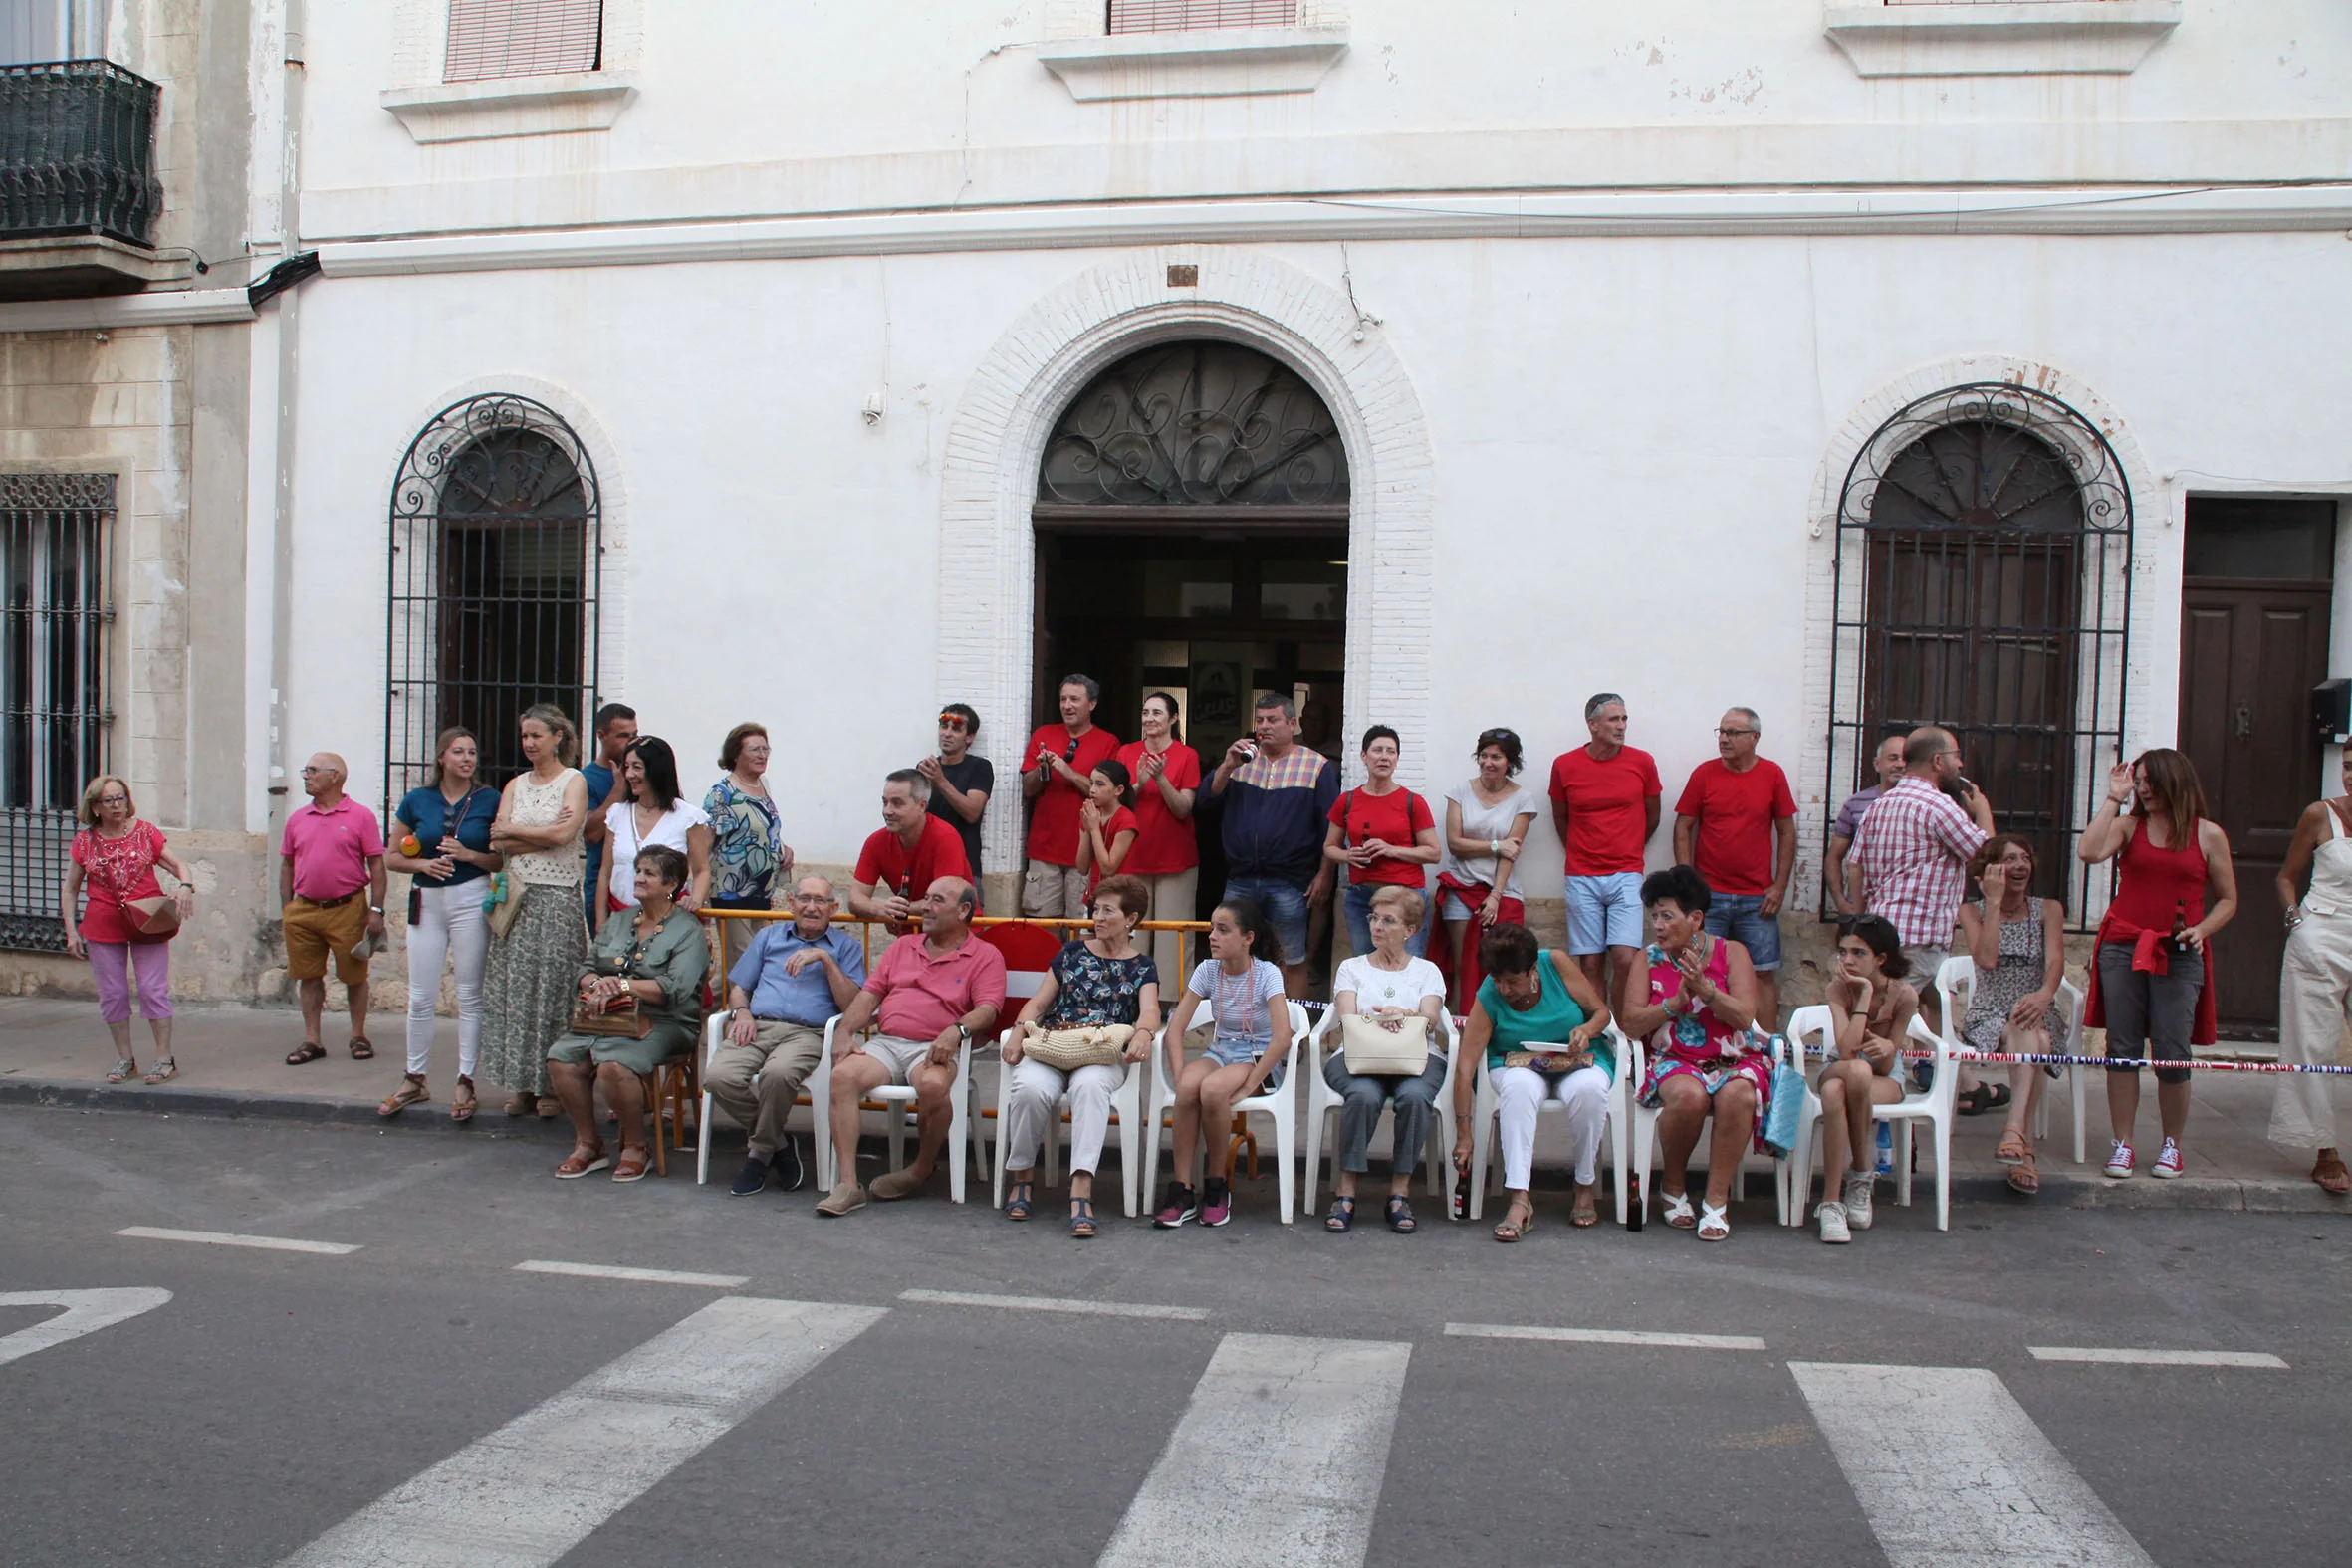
1737,825
1604,804
1053,770
914,850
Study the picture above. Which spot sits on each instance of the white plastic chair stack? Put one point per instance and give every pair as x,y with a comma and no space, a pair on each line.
899,1101
1127,1107
1281,1105
1322,1103
1486,1148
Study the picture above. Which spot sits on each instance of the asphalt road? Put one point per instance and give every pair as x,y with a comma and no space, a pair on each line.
420,1400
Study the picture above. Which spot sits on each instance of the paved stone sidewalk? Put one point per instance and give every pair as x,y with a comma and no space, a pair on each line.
232,1063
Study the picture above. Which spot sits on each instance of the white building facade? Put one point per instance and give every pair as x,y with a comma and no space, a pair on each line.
1861,364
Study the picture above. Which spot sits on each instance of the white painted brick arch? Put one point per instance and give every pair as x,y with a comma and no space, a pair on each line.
988,480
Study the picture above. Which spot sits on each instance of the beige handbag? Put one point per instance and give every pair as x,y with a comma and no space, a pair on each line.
1067,1050
1373,1052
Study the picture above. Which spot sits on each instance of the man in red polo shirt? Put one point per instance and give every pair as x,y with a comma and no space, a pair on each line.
332,883
1737,825
913,851
1605,802
1053,770
931,993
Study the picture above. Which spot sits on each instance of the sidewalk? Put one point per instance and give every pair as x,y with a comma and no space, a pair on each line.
232,1063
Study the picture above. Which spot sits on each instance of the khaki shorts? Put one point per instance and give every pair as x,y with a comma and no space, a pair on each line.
1052,892
901,1056
313,931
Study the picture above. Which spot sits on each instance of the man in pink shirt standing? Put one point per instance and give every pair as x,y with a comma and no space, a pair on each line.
1605,802
932,994
1736,823
332,883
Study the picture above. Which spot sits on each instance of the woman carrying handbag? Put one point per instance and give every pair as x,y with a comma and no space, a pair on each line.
115,858
445,849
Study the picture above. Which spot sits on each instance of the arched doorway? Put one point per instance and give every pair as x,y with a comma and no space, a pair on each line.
1984,585
1191,521
494,576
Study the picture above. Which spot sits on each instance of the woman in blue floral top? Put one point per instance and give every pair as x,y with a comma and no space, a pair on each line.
1101,981
748,852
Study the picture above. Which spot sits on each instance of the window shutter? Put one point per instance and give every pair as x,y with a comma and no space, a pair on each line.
521,38
1185,16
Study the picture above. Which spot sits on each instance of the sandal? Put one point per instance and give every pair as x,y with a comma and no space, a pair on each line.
1400,1214
2025,1180
1584,1214
582,1159
1342,1215
124,1071
362,1050
1715,1222
2012,1150
410,1092
2328,1171
550,1107
164,1071
1517,1222
1675,1210
1984,1097
1082,1219
461,1105
310,1050
630,1167
1018,1207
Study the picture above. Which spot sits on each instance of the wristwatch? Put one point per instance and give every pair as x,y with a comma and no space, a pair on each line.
376,909
963,1033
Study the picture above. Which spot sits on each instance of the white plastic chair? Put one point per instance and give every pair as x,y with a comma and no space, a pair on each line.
898,1100
1956,986
1322,1103
1280,1104
1936,1106
1486,1148
1809,1030
1126,1112
714,1034
1020,985
1645,1152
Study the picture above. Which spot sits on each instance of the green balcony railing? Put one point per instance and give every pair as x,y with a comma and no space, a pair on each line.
78,151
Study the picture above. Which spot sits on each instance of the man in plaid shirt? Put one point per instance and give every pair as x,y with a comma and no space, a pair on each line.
1913,847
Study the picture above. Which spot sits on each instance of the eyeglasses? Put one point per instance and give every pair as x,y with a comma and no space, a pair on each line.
114,800
951,720
1727,733
308,770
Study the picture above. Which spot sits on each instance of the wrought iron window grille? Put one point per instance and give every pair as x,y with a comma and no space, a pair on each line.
1982,582
56,531
495,572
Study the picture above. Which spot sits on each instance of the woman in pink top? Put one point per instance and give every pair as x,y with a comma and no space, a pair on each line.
115,858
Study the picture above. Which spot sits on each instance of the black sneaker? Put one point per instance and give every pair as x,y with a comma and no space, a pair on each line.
786,1163
749,1180
1181,1205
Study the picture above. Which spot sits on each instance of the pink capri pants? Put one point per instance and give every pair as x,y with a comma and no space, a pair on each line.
111,962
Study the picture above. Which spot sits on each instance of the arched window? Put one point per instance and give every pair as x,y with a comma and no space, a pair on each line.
1984,585
495,547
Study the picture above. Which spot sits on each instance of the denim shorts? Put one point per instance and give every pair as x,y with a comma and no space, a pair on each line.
1605,912
1285,904
1741,917
1239,1054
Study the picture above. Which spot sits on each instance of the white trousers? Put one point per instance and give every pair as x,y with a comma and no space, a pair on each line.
2315,989
1032,1097
453,927
1520,1093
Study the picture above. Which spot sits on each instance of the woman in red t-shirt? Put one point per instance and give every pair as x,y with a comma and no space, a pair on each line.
115,858
1385,836
1106,828
1167,775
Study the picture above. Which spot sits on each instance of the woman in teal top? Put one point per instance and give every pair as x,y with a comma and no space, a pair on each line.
1537,1001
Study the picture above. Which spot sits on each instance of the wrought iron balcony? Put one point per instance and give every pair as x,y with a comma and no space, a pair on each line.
78,196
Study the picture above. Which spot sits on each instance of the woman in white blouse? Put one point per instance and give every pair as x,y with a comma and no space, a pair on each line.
1391,988
651,811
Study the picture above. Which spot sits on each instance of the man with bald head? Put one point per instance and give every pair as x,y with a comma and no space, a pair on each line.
792,978
933,993
331,882
1913,847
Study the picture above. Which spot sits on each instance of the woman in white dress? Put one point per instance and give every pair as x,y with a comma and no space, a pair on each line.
2315,982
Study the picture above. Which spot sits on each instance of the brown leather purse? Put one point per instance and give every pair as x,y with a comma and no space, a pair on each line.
619,1018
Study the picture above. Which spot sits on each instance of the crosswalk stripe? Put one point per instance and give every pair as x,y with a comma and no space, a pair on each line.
974,1298
1278,1460
1606,1336
2159,1358
1949,1470
538,1486
643,1276
266,1244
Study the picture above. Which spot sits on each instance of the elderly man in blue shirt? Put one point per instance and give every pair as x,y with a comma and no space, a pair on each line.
789,982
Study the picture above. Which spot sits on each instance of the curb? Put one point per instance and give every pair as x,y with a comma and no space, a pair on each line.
232,1105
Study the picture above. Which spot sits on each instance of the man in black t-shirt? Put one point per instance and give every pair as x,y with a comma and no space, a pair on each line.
960,782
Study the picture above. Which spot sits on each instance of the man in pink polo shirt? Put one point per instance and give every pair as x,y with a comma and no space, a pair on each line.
1053,770
331,882
932,994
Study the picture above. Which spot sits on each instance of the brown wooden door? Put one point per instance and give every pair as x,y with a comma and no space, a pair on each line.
2250,652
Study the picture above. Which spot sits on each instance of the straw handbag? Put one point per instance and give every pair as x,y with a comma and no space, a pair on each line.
1067,1050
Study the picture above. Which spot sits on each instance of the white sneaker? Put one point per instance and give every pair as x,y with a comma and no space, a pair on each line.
2168,1159
2119,1163
1834,1223
1858,1192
